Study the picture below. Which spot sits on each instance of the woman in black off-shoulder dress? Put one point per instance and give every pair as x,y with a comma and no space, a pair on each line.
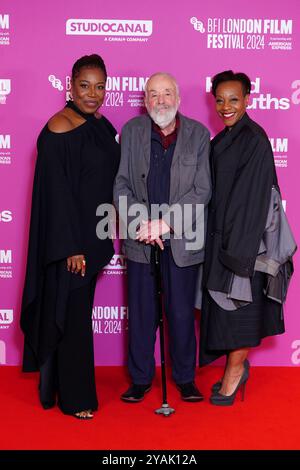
78,158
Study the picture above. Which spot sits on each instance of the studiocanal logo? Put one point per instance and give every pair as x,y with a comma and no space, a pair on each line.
5,145
116,266
4,29
111,29
6,318
245,33
5,89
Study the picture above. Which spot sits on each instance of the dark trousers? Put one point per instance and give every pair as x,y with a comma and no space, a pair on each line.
179,286
69,374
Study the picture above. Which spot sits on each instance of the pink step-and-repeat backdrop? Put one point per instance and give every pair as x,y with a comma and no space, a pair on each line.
193,40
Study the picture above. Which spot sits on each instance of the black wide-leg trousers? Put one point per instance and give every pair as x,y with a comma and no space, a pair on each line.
68,375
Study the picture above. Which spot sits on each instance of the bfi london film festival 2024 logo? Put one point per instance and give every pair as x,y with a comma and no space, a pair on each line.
245,33
280,150
111,319
4,29
5,149
6,269
5,84
120,91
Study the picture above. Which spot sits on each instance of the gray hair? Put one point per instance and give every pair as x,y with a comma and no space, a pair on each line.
162,74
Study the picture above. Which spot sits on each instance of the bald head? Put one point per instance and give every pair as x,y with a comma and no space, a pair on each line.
160,78
162,98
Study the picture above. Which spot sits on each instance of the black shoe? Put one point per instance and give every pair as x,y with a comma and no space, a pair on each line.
218,385
226,400
135,393
47,405
189,392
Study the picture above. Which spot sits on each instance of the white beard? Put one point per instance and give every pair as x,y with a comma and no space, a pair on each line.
163,120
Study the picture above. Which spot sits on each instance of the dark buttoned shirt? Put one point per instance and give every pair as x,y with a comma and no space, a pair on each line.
158,181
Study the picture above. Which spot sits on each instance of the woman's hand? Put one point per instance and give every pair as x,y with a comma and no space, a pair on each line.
76,263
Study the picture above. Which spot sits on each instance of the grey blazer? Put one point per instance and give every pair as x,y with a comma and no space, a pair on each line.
190,184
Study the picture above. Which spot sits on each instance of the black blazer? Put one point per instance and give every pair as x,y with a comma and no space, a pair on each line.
243,173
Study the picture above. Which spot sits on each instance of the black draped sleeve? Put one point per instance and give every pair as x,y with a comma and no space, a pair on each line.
74,173
247,208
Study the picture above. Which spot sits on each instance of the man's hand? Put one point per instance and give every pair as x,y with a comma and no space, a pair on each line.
76,263
150,231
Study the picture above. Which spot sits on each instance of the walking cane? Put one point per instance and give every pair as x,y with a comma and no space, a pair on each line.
165,409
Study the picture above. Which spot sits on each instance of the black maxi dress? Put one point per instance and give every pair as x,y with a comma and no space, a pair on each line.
243,173
74,174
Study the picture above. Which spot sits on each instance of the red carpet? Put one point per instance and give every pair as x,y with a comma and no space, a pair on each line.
269,417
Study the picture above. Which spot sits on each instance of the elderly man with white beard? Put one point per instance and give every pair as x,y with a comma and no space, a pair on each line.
165,164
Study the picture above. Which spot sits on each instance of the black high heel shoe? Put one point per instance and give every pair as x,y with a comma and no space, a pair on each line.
227,400
218,385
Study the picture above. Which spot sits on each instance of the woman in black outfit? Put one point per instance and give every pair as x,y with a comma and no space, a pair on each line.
236,310
78,158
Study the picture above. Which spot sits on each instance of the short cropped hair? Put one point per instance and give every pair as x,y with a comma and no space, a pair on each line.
230,76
